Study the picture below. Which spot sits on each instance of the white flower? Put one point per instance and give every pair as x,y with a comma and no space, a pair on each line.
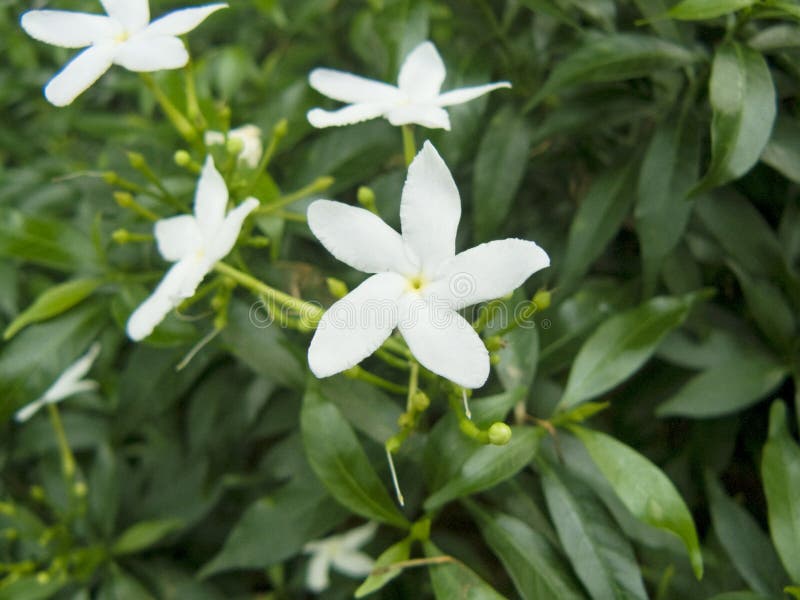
341,552
194,243
419,281
125,37
416,99
70,382
250,136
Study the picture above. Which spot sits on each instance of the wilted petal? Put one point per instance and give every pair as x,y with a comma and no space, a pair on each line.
355,326
349,115
67,29
461,95
145,54
317,576
231,227
350,88
432,117
358,238
422,73
355,564
430,209
183,21
81,72
443,341
487,271
211,199
177,237
132,14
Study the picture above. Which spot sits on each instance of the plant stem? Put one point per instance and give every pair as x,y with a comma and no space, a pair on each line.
413,381
409,145
176,117
67,458
318,185
193,110
363,375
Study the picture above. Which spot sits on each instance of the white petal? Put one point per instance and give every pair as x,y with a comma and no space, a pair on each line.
27,411
210,200
183,21
78,387
213,138
253,148
443,341
432,117
145,54
430,209
352,89
317,576
73,374
180,282
349,115
359,238
461,95
355,538
422,72
355,326
487,271
354,564
231,227
67,29
177,237
81,72
132,14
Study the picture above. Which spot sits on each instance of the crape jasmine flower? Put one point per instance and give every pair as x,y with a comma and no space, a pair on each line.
340,552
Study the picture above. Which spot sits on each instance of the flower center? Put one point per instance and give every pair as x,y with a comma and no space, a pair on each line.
122,37
416,283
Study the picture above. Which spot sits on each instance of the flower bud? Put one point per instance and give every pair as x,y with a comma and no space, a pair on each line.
542,299
405,420
110,178
494,359
121,236
336,287
182,158
234,146
281,129
499,434
123,199
392,444
136,160
366,198
420,402
80,490
42,578
494,343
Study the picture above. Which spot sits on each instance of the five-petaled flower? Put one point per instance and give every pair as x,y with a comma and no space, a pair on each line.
69,383
194,243
125,37
418,280
341,552
416,98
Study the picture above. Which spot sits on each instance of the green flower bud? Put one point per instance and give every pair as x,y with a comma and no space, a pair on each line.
123,199
281,129
234,146
366,197
499,434
110,177
405,420
393,444
80,490
120,236
182,158
494,359
494,343
336,287
136,160
420,402
42,578
542,299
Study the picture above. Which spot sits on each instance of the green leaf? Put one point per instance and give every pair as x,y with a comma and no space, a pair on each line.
366,407
518,358
621,345
534,565
396,553
597,221
457,580
769,308
605,58
746,544
30,588
551,9
601,556
121,586
488,466
145,534
644,489
53,302
739,596
499,166
337,458
743,101
726,388
783,150
780,471
699,10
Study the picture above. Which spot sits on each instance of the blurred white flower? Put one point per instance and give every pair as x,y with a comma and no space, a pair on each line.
69,383
419,282
125,37
194,243
416,98
340,552
249,135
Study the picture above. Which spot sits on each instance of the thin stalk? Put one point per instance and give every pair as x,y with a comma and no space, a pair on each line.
409,145
371,378
67,458
413,382
318,185
176,117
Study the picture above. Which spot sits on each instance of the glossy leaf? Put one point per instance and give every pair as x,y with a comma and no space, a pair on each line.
456,580
782,153
395,553
142,535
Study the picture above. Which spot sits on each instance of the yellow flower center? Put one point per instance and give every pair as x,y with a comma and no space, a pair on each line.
416,283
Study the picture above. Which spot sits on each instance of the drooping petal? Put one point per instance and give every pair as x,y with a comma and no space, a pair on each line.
226,236
432,117
210,200
67,29
180,282
134,15
359,238
27,411
177,237
443,341
144,54
69,382
352,563
349,115
81,72
465,94
430,209
184,20
355,326
317,578
487,271
422,72
352,89
355,538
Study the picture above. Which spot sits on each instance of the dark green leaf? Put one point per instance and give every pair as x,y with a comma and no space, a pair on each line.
769,307
518,358
700,10
782,153
395,553
144,534
456,580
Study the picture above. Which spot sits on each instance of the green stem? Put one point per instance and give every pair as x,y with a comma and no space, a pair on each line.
391,360
413,382
67,458
318,185
193,110
363,375
278,133
409,145
176,117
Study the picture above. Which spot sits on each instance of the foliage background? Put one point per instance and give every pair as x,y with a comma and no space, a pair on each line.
645,178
